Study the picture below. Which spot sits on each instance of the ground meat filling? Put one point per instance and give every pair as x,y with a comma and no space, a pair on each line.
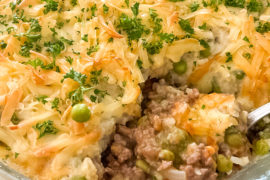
120,162
144,142
199,165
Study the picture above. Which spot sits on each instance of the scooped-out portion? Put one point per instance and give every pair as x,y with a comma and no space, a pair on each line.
182,135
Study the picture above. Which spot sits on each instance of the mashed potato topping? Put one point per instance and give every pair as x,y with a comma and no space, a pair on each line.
56,54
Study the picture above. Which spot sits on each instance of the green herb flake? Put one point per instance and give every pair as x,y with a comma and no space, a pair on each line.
127,2
105,9
93,98
42,99
185,25
73,2
263,27
94,9
76,76
139,63
135,9
246,39
92,49
51,5
247,55
203,26
3,45
132,26
16,155
69,60
85,38
155,20
203,106
229,57
45,128
168,38
255,6
14,119
55,103
153,47
194,6
235,3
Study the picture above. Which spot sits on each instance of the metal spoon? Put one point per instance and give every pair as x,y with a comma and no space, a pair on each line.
258,114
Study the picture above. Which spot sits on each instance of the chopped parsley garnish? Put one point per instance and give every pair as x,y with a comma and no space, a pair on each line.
229,57
76,76
247,55
263,27
155,20
185,25
127,2
239,74
16,155
73,2
12,5
105,9
85,38
42,99
110,39
203,106
3,45
194,6
51,5
135,9
76,96
153,47
132,26
94,76
92,49
168,38
94,9
25,49
34,26
55,103
139,63
99,95
54,48
246,39
59,25
39,63
69,59
14,119
254,6
67,41
235,3
45,128
203,26
54,32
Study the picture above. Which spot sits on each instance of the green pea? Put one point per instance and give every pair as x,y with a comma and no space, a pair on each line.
261,147
265,134
143,166
78,178
166,155
80,113
234,140
180,67
224,164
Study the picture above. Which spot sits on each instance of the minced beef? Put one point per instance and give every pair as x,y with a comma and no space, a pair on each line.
130,144
199,164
